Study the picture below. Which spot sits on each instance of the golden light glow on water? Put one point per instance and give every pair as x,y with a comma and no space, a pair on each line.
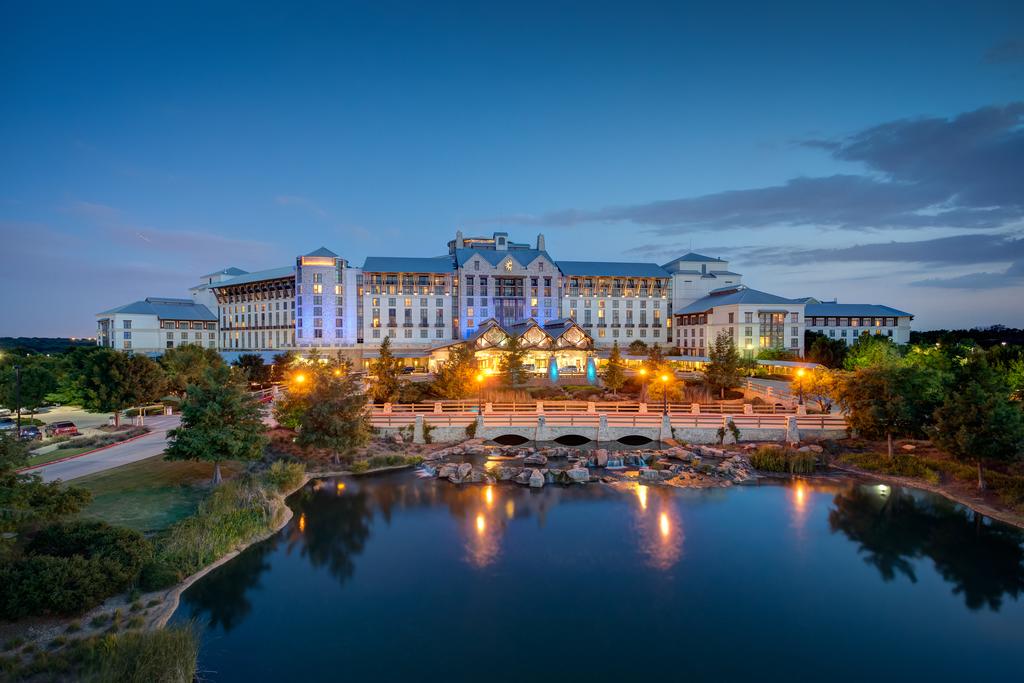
481,524
340,487
489,495
302,523
800,495
663,525
510,509
641,494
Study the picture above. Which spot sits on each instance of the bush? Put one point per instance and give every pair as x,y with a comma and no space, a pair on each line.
901,465
164,656
783,460
284,476
120,551
101,440
360,466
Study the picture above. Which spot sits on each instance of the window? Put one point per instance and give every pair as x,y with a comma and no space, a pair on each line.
126,324
476,266
794,318
127,334
748,317
732,318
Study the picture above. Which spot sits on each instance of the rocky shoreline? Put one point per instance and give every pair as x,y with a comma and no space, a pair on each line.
689,466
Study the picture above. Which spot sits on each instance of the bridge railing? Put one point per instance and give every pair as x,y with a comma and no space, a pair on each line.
548,407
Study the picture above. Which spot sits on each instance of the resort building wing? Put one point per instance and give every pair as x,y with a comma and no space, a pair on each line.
425,304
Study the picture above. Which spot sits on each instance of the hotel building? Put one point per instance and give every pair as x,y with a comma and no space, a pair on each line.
483,290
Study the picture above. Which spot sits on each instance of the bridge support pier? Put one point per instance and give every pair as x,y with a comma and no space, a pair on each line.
666,429
792,431
417,431
541,433
602,428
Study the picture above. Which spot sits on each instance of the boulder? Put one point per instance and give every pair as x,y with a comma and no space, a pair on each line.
536,480
464,469
447,469
523,477
535,459
506,473
397,438
578,475
649,475
600,457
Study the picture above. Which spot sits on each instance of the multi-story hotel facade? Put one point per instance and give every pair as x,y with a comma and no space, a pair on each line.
424,305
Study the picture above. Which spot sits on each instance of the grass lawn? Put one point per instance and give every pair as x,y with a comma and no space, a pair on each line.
151,494
58,453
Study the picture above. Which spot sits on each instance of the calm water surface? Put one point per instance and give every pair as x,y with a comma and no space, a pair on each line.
392,577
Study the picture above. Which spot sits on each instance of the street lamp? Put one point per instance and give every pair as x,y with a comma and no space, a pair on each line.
480,393
664,394
17,397
643,384
800,385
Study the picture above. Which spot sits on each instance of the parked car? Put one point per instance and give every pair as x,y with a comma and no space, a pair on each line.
61,429
7,423
408,370
31,433
569,370
5,412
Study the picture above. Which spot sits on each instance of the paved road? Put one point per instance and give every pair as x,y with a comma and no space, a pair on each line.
144,447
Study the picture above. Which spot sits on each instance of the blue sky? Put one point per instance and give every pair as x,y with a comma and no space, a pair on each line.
872,151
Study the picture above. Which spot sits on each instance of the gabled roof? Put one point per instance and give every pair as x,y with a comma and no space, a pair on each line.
230,270
738,294
611,269
865,310
407,264
258,276
323,251
693,258
166,309
523,257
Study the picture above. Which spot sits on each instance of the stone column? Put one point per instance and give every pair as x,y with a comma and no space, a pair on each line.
792,432
540,407
488,408
641,409
387,409
602,428
541,433
437,407
591,408
801,409
695,408
748,408
666,428
726,423
480,427
417,430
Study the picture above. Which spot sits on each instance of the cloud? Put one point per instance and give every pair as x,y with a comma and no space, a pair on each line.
1011,277
961,172
1010,50
957,249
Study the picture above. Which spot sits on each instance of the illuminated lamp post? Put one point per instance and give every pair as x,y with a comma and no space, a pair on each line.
643,383
480,393
664,394
800,385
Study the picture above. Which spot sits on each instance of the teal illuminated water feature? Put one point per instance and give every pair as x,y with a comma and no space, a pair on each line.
390,577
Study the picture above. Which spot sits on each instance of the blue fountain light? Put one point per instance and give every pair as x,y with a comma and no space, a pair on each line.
591,371
552,369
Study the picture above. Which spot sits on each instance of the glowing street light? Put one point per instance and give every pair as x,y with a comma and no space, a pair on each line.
300,378
664,394
800,385
480,393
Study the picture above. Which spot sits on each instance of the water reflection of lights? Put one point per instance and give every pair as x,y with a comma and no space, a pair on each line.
489,495
483,546
663,525
883,490
510,509
800,494
340,487
481,524
302,522
641,494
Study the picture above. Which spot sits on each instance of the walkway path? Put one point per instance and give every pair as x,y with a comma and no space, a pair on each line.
141,448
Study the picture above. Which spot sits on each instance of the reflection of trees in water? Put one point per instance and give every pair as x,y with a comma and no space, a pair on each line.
331,528
984,562
222,593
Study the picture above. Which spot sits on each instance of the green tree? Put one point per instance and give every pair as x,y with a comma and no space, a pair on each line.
253,368
820,385
187,364
335,416
615,372
112,381
871,349
282,365
775,354
978,421
723,369
454,379
637,347
220,420
888,399
512,361
824,350
38,380
386,373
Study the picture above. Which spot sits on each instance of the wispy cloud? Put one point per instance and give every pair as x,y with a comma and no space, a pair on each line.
1009,50
961,172
1011,277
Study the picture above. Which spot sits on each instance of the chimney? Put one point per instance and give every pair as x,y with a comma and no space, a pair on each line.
459,242
540,242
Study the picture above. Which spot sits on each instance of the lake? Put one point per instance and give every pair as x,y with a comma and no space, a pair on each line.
391,577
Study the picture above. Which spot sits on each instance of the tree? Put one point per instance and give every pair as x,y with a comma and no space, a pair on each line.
820,385
775,354
252,367
615,373
220,420
335,417
38,380
282,364
978,421
871,349
723,369
385,371
637,347
187,364
825,350
454,379
888,399
512,361
112,381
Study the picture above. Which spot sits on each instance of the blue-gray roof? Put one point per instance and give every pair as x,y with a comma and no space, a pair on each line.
735,295
865,310
407,264
694,258
230,270
522,256
323,251
166,309
611,269
259,275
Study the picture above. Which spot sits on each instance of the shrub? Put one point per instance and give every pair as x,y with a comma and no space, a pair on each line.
900,465
284,476
121,552
165,656
783,460
359,466
471,430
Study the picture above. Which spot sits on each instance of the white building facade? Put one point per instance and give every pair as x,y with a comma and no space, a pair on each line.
754,320
849,321
155,324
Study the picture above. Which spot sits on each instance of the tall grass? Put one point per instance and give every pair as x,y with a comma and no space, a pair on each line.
783,460
235,513
165,656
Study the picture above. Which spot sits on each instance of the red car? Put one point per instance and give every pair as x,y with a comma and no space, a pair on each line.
62,429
